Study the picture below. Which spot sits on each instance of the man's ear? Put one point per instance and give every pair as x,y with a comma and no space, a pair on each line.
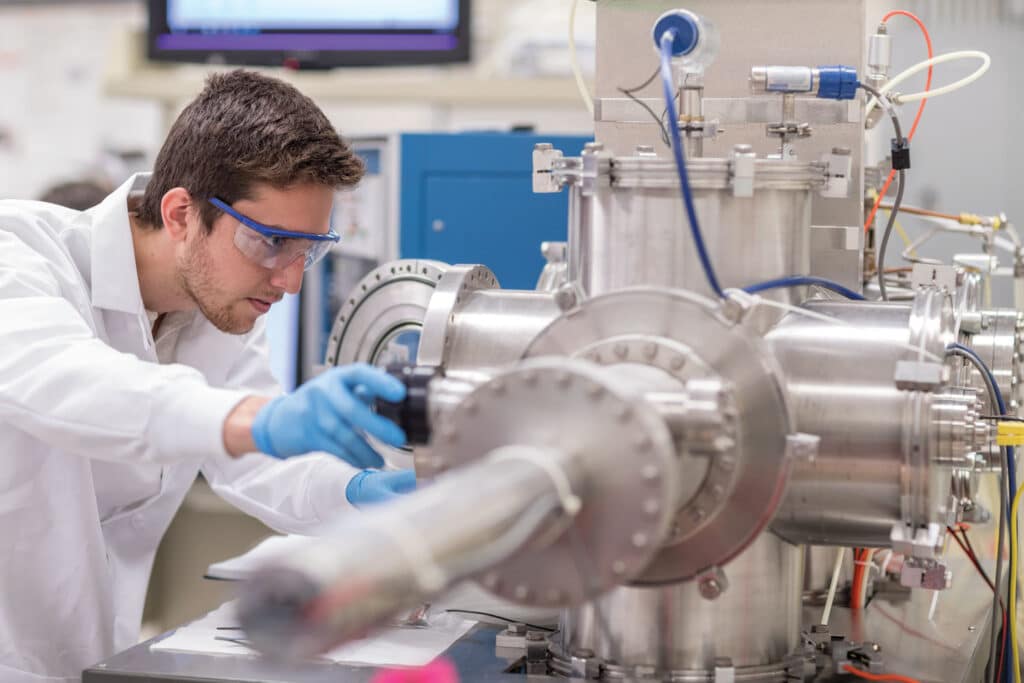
174,209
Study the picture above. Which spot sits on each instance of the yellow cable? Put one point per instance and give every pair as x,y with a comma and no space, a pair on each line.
904,236
1013,583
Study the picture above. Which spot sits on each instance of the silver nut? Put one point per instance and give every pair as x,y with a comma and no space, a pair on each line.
709,588
566,297
712,583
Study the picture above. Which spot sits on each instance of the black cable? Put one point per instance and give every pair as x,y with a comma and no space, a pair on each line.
901,179
501,618
660,120
888,233
965,544
657,70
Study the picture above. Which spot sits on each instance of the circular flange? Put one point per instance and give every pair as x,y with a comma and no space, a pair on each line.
706,479
452,288
385,310
614,445
740,510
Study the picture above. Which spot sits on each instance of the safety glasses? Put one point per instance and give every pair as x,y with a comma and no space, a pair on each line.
275,248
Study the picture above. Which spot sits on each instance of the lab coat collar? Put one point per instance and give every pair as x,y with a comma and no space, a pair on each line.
115,277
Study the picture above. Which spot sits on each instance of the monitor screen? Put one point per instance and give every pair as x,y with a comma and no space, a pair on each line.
309,33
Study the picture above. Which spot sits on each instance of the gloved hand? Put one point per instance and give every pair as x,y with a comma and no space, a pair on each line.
375,486
331,413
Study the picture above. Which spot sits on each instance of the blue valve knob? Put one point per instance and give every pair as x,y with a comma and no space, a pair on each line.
686,27
837,82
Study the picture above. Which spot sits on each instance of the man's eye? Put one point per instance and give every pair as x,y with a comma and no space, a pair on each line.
274,240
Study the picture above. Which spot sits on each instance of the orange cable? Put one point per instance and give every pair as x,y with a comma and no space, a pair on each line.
920,108
878,677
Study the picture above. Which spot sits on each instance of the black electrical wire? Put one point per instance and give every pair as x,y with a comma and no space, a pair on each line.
901,180
660,120
501,618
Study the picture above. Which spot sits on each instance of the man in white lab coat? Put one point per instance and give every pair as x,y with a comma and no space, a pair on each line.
132,357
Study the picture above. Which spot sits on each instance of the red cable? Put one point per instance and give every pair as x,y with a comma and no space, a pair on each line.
969,552
920,108
928,41
878,677
858,573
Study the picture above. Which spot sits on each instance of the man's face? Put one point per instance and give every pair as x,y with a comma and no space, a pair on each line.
228,288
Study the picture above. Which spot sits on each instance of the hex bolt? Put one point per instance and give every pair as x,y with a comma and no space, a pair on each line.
709,588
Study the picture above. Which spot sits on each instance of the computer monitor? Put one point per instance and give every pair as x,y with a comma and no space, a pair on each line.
309,34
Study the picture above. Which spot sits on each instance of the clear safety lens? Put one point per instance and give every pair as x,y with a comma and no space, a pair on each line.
278,252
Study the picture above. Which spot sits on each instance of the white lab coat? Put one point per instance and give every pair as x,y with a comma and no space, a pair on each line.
100,440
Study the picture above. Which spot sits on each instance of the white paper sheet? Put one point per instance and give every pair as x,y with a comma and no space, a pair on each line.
390,647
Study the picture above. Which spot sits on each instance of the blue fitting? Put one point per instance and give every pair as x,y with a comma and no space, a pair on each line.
837,82
684,25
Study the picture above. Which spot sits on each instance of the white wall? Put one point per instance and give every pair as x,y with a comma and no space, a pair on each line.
56,123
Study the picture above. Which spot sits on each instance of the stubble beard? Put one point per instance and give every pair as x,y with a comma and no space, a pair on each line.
194,279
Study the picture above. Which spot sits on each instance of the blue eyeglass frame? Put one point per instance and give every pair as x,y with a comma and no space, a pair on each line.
268,231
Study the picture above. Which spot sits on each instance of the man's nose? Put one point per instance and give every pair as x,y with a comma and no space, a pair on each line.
289,278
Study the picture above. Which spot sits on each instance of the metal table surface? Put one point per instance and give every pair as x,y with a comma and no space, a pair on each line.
952,646
474,656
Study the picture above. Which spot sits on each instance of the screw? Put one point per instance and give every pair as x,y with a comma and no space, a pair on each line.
710,588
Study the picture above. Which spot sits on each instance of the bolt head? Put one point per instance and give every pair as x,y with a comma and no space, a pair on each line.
709,588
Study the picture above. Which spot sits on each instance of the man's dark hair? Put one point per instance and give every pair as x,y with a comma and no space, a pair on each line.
242,130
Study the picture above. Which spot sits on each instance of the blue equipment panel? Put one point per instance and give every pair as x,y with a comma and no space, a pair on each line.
468,198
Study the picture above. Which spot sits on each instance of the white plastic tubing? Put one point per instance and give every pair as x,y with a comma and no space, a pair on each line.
986,61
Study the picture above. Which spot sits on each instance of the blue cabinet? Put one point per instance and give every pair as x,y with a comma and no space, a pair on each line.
468,198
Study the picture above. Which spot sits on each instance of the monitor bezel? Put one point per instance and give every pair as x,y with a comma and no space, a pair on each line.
301,59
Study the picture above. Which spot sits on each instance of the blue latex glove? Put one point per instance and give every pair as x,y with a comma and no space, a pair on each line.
375,486
331,413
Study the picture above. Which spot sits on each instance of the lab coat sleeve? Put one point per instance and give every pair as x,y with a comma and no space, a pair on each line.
64,386
302,495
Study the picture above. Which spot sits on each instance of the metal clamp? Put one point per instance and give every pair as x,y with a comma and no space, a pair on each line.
921,375
840,167
925,573
743,166
544,181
